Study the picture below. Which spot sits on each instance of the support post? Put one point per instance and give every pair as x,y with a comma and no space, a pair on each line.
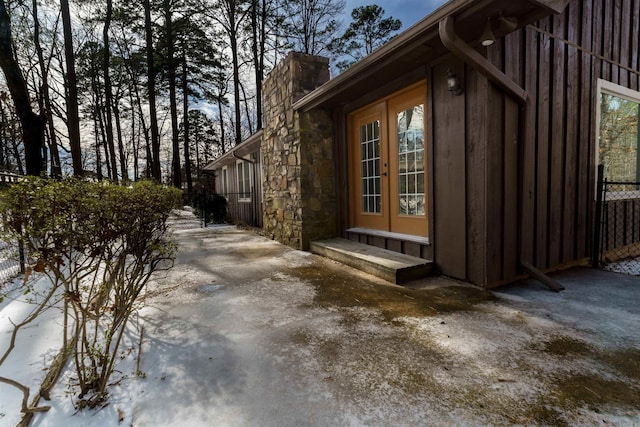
597,231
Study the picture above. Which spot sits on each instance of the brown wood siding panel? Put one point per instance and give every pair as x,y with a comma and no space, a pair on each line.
542,152
597,26
476,90
510,176
556,206
341,164
495,173
585,139
529,164
615,39
625,40
607,40
635,44
572,100
449,173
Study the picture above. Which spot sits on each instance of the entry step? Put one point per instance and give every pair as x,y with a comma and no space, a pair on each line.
391,266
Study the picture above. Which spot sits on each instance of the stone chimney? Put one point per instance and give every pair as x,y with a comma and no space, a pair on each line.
299,194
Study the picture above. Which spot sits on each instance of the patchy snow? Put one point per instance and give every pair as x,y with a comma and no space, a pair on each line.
627,266
241,333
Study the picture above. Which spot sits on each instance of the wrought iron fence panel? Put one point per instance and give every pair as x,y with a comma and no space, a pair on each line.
617,233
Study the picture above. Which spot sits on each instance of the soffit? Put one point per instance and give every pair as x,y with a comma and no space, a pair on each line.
420,45
246,147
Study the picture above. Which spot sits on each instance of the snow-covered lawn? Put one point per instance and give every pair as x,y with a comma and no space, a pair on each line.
246,332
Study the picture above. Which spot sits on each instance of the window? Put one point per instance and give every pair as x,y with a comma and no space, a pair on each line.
618,137
244,181
370,155
225,181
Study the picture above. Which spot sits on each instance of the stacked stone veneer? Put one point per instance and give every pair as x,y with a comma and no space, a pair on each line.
299,194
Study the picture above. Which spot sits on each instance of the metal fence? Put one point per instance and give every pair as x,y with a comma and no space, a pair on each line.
11,253
11,261
617,228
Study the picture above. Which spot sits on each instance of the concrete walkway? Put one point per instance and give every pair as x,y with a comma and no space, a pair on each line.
270,336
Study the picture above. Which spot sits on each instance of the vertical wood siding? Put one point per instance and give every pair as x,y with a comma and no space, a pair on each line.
557,148
531,168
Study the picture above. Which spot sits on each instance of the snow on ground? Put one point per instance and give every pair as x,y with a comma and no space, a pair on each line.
244,331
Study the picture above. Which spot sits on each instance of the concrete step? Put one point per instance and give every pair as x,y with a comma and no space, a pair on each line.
391,266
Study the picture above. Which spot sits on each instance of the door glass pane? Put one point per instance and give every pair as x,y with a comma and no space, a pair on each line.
370,158
411,196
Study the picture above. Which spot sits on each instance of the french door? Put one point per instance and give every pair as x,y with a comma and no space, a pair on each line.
387,164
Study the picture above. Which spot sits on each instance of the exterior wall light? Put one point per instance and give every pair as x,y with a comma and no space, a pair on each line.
452,83
487,38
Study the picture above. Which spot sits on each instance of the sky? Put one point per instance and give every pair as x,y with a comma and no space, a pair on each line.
408,11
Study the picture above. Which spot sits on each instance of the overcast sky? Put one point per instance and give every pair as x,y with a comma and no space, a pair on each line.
408,11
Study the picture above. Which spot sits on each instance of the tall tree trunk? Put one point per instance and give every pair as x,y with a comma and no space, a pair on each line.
246,109
32,123
73,116
222,142
97,146
151,82
257,50
233,42
173,104
16,148
135,136
56,167
124,173
185,107
107,90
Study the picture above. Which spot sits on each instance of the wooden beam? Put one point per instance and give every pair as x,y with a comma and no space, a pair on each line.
541,277
465,52
555,6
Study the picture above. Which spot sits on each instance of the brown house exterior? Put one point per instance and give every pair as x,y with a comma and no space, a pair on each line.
481,180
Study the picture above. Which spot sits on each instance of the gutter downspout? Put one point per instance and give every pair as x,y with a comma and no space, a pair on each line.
469,55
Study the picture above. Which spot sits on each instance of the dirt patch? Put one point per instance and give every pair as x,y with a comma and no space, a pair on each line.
563,346
596,392
258,252
612,385
342,289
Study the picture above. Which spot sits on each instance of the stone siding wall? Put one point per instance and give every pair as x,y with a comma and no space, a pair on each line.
298,171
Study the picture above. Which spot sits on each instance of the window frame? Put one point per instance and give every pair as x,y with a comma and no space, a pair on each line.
610,88
241,166
225,181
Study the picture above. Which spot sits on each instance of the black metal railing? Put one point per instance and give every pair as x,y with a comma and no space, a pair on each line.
11,261
617,226
12,255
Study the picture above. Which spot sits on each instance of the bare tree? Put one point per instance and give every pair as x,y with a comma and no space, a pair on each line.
32,123
311,25
73,116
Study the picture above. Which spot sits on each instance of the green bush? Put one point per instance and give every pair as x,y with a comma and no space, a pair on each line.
100,242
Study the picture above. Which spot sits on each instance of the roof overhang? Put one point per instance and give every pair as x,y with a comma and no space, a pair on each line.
420,44
238,152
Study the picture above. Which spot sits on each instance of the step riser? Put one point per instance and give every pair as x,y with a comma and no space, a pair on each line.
398,269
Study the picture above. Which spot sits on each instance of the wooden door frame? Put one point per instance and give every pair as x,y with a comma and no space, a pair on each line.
384,109
406,224
356,119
